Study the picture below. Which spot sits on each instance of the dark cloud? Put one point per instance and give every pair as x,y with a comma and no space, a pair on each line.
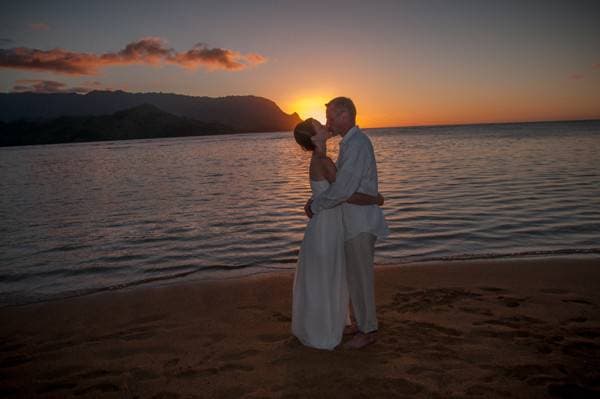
51,86
577,76
150,51
5,41
215,58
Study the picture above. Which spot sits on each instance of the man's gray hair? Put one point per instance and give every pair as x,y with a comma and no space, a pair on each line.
343,103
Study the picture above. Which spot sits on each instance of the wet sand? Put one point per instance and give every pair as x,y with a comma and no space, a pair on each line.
481,329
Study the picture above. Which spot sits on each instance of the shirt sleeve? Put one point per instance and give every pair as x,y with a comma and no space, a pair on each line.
347,180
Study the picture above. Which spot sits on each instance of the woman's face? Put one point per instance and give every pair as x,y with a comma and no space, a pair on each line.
321,132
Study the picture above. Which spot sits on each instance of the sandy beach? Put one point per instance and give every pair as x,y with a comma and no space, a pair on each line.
491,329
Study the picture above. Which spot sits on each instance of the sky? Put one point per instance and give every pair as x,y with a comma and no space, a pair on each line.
402,62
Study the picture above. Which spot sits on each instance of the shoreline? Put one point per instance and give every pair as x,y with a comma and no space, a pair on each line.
590,255
504,328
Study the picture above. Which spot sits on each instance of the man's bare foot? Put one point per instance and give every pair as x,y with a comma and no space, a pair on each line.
360,340
350,329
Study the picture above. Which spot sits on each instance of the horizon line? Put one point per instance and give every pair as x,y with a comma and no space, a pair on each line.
595,119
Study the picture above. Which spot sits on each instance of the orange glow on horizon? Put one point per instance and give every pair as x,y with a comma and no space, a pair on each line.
309,107
379,108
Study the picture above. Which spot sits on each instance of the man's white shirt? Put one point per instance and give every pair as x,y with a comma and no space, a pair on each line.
356,172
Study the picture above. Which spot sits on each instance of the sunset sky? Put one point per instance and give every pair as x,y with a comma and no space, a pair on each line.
403,62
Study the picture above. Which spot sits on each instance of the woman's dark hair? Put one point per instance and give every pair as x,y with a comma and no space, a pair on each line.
303,132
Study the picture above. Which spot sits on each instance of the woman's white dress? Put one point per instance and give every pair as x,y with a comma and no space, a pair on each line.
320,298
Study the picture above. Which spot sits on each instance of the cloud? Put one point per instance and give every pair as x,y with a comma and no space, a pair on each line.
39,26
577,76
596,66
51,86
146,51
5,41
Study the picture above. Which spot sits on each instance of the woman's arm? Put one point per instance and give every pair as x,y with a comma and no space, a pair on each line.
365,199
329,169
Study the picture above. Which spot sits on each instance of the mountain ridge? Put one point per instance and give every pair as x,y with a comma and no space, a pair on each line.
246,113
144,121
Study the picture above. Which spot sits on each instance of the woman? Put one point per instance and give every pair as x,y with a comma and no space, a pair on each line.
320,297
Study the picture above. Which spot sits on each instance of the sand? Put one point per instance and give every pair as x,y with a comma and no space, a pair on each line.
497,329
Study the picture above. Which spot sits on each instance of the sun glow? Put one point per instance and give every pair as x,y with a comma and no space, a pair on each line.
310,107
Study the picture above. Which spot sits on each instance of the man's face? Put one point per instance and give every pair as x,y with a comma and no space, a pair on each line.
335,120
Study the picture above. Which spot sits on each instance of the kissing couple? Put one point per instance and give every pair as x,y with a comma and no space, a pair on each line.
334,274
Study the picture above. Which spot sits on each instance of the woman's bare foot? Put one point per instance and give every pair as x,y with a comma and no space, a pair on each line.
360,340
350,329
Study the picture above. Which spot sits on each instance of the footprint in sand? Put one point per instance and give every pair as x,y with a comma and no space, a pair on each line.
10,347
166,395
586,332
403,288
435,299
524,372
64,371
435,329
477,310
556,291
273,337
395,386
579,301
202,373
418,370
255,308
281,317
486,391
54,346
120,352
572,391
13,361
94,374
143,374
542,380
147,319
216,337
236,367
544,349
511,302
135,333
492,289
54,386
517,321
582,350
193,373
579,319
509,335
171,363
239,355
104,387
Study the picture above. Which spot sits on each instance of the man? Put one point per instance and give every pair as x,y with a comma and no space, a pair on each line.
356,172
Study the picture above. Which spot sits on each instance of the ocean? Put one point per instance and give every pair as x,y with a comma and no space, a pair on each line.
87,217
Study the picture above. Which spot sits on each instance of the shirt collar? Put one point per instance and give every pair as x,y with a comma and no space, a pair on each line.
349,135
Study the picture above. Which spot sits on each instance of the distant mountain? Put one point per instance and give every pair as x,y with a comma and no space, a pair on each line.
140,122
243,113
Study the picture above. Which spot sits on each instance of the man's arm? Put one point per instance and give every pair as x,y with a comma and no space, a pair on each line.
366,199
346,183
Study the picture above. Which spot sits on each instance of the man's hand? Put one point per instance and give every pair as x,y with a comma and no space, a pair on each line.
307,209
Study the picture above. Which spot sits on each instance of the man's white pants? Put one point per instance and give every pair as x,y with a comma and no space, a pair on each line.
359,270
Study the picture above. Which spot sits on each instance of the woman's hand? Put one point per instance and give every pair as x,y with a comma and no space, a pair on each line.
380,199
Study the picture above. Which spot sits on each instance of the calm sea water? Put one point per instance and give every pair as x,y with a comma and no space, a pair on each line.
79,218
